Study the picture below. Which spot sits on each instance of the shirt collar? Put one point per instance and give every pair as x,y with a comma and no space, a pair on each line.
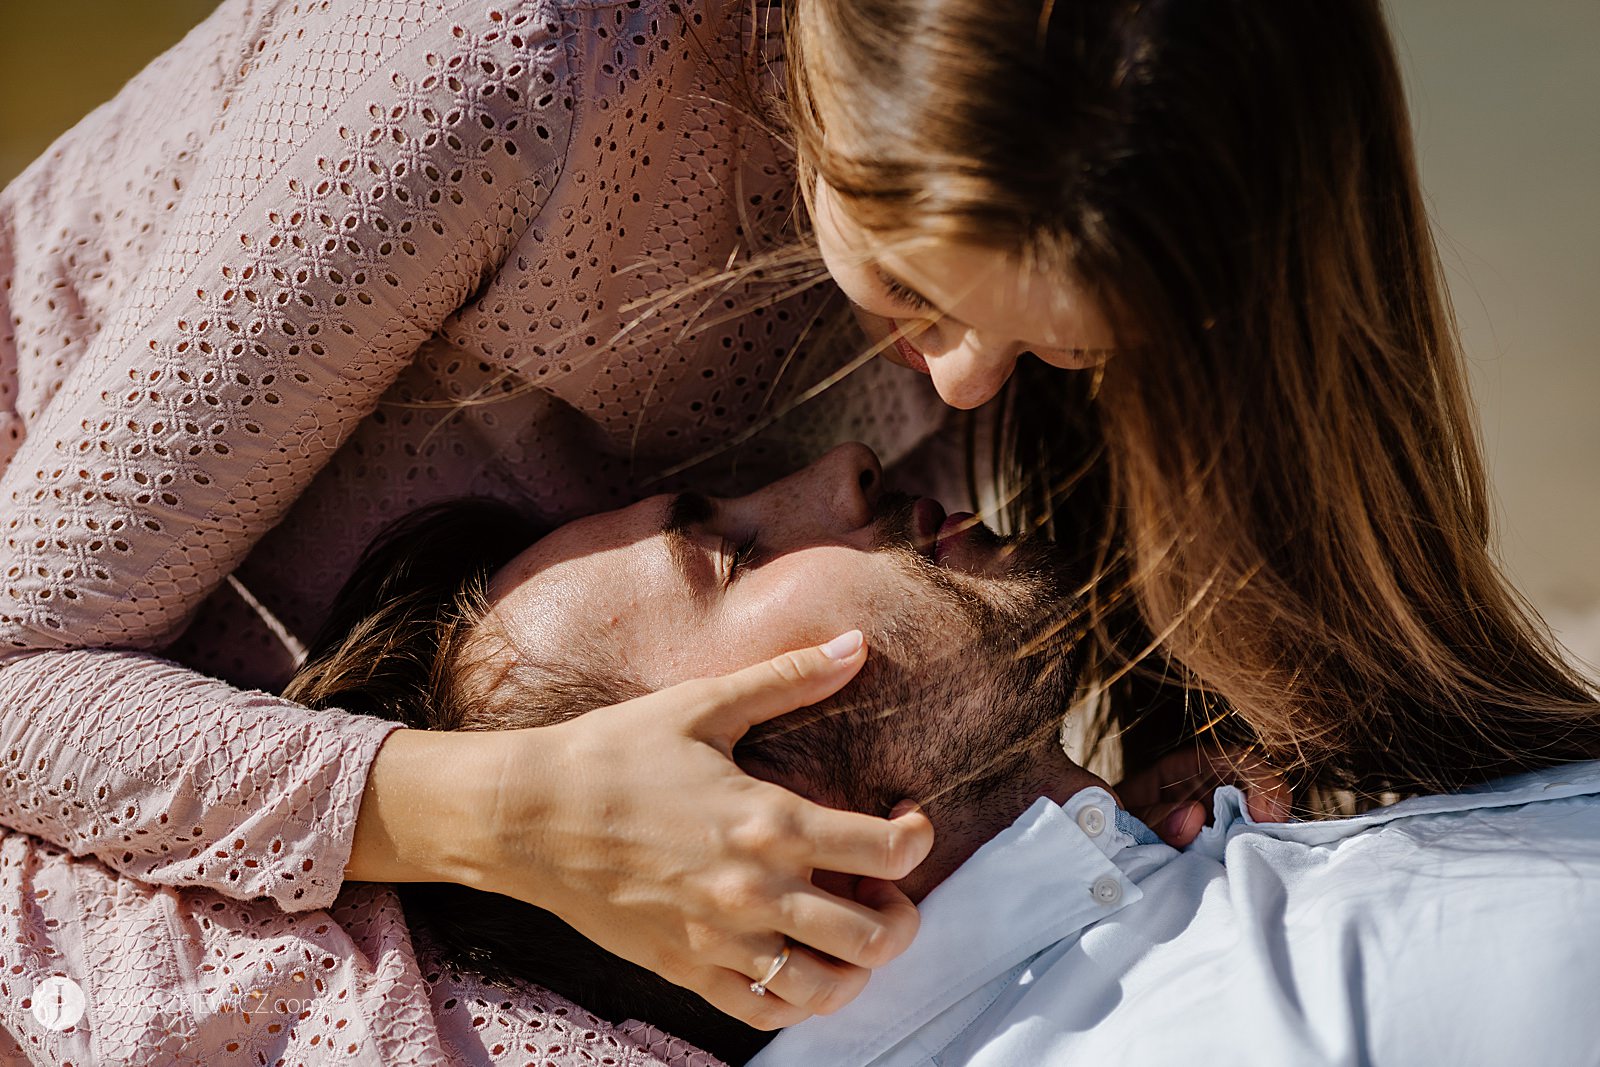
1048,875
1552,783
1053,872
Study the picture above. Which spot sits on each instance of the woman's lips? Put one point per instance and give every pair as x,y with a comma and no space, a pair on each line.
952,534
957,540
927,516
911,357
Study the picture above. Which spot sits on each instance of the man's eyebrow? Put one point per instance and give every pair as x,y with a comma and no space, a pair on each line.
684,512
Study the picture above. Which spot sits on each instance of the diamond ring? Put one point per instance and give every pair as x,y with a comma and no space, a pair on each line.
760,988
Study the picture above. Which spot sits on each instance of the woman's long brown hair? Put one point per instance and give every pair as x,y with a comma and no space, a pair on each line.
1276,479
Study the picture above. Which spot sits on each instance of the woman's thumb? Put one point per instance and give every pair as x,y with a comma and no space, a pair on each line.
735,702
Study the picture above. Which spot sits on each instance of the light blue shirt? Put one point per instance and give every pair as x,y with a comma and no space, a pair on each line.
1461,929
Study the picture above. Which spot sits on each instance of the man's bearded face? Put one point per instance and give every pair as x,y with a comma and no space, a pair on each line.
970,664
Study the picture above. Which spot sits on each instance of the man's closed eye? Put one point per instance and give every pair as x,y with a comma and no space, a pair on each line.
737,557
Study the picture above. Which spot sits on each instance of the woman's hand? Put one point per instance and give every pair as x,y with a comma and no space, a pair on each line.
634,825
1173,795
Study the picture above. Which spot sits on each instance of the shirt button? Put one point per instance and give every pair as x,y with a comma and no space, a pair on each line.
1107,890
1092,821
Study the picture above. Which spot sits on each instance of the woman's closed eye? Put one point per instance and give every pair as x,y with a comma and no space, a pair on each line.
903,294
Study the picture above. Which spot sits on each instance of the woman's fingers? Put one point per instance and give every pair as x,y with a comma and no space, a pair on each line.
866,934
1172,777
728,991
1267,797
823,932
1267,794
808,981
1172,795
697,869
731,704
1178,824
852,843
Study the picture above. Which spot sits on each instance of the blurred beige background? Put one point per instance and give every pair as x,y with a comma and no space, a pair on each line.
1506,103
1505,99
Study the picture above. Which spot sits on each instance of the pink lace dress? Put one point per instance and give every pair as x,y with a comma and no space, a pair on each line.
252,309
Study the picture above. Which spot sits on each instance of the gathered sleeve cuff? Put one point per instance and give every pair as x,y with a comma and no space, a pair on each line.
176,779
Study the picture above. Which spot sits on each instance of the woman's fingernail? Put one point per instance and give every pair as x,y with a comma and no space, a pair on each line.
905,807
844,646
1172,825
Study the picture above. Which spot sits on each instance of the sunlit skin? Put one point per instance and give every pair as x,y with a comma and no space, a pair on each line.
965,313
611,576
613,581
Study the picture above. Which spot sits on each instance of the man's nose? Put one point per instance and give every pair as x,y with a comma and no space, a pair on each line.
833,500
852,479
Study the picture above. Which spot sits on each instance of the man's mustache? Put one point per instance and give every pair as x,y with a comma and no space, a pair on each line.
891,526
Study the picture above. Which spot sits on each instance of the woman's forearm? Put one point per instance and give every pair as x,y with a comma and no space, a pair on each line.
427,812
173,778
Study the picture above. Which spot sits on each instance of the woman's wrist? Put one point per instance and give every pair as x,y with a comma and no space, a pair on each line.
428,810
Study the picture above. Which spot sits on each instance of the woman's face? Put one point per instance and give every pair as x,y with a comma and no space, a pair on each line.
960,313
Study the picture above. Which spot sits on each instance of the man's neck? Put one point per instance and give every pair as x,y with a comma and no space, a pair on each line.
1048,773
1061,778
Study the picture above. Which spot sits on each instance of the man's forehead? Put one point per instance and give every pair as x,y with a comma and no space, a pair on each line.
595,560
579,541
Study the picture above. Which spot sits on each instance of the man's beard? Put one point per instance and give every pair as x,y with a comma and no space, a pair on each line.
954,705
1033,584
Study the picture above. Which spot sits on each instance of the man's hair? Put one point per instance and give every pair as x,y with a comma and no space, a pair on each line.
406,640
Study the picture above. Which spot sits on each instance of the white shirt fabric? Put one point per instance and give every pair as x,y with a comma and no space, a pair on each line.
1460,929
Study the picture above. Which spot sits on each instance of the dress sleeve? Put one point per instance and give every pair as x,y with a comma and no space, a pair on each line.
369,166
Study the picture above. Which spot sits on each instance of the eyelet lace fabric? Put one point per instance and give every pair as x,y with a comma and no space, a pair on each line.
200,979
320,264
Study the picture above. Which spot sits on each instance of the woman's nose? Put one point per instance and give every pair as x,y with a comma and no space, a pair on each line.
972,369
